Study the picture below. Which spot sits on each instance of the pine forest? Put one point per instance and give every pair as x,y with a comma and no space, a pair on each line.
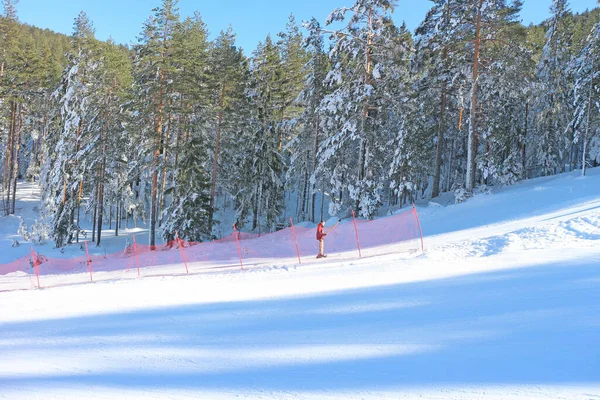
183,128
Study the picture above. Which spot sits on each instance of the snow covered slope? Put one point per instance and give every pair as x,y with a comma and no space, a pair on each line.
504,303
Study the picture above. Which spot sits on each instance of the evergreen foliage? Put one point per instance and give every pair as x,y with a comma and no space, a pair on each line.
182,130
188,213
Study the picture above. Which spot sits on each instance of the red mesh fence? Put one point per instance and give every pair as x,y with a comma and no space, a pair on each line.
397,233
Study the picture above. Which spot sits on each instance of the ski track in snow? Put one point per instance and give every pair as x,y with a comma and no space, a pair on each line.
503,304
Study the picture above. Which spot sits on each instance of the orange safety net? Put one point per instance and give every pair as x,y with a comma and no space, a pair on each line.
397,233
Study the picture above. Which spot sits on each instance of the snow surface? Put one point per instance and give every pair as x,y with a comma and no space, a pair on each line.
503,303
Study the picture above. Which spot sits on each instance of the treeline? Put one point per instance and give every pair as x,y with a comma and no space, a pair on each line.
180,129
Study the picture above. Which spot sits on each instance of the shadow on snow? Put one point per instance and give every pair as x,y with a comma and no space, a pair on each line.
536,325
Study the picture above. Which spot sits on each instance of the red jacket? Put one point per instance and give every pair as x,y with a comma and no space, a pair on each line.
320,234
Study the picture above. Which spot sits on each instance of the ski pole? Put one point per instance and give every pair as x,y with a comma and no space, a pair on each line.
334,225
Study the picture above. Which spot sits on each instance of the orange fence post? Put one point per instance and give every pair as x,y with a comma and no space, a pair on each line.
35,266
356,230
137,261
237,242
419,225
181,250
89,261
296,240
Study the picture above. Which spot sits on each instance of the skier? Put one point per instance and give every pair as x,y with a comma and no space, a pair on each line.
321,238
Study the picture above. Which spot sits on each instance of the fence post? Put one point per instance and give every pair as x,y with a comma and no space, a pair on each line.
35,266
137,261
181,250
419,225
295,239
356,230
235,232
89,261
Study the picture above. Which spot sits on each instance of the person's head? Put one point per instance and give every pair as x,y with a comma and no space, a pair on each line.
322,222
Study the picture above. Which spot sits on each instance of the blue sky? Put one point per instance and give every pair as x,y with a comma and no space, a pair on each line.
251,20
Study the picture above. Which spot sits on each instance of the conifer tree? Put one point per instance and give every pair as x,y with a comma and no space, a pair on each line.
8,49
293,62
355,112
8,33
552,106
70,154
484,24
189,211
186,208
228,74
153,84
264,167
586,92
108,161
438,65
505,96
305,145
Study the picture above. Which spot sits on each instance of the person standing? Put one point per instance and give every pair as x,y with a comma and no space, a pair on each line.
321,238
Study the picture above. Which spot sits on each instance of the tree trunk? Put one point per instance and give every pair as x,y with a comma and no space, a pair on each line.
305,188
314,193
117,218
472,144
73,191
178,142
365,112
102,172
100,210
362,160
94,215
440,142
442,125
257,204
164,173
587,126
17,146
524,143
9,156
44,134
322,200
216,160
157,139
79,210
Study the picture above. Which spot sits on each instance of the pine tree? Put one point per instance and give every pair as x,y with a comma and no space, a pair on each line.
505,95
586,92
293,62
27,80
305,144
438,64
228,75
188,213
70,155
8,49
264,165
8,32
552,95
189,117
483,26
108,160
153,84
369,59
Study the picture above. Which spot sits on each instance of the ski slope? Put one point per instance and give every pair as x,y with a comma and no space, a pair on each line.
503,304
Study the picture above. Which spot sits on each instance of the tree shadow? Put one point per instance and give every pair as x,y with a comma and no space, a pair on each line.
535,325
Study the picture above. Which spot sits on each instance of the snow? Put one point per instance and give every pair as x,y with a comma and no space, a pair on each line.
503,303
